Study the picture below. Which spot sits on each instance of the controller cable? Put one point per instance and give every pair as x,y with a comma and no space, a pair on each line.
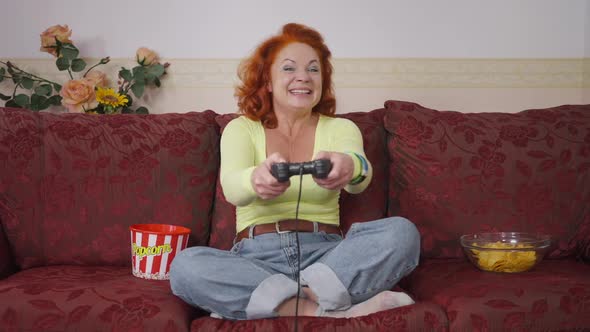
298,247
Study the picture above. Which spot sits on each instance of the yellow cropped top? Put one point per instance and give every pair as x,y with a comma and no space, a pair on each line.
243,147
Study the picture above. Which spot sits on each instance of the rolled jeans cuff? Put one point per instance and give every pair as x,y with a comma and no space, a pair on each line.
331,293
269,294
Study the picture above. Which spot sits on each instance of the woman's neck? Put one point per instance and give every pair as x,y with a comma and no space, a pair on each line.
291,124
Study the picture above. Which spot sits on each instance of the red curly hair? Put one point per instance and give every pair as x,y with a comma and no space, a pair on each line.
254,100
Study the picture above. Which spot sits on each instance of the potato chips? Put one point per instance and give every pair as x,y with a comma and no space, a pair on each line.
504,259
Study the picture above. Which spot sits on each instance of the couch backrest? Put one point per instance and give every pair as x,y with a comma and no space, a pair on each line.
454,173
369,205
72,184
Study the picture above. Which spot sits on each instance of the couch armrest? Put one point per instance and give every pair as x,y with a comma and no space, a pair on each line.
7,266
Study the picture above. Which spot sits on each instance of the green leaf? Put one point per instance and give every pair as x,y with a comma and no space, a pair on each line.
54,100
12,103
156,70
139,74
126,110
27,83
37,101
142,110
78,65
138,88
43,89
69,51
56,87
100,109
22,100
62,63
2,72
153,72
5,97
45,103
126,74
157,82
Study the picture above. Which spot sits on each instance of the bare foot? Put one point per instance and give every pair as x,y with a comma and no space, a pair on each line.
382,301
306,307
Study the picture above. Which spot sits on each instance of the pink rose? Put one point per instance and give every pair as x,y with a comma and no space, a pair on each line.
78,95
97,78
146,57
61,32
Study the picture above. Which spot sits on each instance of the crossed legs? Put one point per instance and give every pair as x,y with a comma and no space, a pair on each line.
340,278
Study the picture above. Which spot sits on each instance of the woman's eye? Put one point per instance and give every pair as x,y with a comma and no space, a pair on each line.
287,68
314,69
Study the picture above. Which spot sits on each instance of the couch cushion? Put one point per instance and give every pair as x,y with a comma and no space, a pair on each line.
418,317
72,184
371,204
366,206
6,260
453,173
223,218
554,296
76,298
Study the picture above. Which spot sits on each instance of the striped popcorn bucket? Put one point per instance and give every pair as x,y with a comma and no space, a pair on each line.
153,247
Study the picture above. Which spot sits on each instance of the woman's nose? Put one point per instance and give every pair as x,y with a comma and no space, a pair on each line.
302,76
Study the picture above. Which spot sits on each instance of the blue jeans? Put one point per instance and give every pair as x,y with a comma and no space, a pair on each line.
258,274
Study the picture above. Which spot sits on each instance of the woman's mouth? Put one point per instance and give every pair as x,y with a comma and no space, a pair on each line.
300,91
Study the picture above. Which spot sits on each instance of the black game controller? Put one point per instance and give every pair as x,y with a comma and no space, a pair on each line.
319,168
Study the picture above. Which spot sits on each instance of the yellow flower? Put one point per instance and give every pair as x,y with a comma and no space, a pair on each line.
108,97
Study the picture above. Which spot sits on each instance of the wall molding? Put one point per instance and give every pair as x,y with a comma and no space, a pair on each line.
586,73
372,72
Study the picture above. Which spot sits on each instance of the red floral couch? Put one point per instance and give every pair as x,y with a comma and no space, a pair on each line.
72,184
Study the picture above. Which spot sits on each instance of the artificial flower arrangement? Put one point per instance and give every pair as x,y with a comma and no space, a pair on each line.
89,92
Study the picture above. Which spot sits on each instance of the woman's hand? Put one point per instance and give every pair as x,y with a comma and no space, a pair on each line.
341,173
264,183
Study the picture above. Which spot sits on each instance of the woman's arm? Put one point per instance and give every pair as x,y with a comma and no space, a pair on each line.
351,170
237,163
348,139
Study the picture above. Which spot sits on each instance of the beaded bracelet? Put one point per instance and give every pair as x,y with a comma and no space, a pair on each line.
364,170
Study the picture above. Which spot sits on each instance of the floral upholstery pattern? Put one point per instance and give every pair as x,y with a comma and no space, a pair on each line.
76,298
419,317
474,172
554,296
366,206
72,184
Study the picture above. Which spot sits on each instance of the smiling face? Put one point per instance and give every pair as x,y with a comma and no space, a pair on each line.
296,79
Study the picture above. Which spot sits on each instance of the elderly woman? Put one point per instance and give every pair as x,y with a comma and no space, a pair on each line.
288,107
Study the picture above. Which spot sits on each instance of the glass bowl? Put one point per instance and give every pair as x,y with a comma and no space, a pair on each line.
507,252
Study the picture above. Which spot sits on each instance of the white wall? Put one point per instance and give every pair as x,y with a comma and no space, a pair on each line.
587,29
586,88
536,53
352,28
